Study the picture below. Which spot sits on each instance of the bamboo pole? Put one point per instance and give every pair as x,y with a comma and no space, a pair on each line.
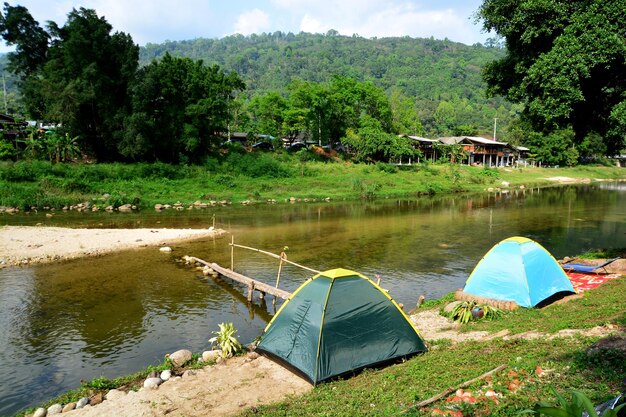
283,256
273,255
451,390
232,252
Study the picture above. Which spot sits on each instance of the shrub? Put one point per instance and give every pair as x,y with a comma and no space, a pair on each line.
226,340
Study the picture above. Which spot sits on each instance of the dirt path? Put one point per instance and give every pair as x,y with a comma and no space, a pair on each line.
220,390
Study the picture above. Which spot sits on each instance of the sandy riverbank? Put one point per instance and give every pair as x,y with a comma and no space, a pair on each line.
21,245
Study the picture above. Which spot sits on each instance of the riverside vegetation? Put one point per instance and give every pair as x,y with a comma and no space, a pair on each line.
256,178
535,367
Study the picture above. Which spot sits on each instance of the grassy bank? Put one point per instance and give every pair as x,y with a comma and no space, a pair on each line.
533,366
255,177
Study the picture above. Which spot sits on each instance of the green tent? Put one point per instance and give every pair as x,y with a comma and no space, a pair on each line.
339,322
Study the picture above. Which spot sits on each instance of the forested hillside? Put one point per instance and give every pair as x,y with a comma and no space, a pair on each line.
442,78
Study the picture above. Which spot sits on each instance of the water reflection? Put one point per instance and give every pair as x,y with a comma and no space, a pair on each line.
115,314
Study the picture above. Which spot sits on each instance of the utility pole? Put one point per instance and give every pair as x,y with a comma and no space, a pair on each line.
495,124
4,86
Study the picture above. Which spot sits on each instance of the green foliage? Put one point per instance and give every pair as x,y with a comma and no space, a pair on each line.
575,407
178,105
226,340
417,74
7,150
101,384
466,311
258,165
556,148
76,75
563,62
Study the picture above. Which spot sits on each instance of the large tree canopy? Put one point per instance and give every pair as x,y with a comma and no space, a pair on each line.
179,108
566,61
76,75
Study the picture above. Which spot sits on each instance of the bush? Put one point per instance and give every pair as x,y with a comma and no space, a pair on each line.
257,165
388,168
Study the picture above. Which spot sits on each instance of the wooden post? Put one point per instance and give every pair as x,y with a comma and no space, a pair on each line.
232,252
261,295
283,255
250,291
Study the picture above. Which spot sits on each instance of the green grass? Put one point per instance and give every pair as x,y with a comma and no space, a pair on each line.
256,177
389,391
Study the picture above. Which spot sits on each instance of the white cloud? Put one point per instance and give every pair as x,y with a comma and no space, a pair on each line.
383,18
252,21
311,25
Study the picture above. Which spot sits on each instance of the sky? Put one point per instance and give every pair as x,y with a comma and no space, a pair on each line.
155,21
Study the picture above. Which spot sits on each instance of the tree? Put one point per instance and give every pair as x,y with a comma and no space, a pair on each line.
565,61
405,118
556,148
268,112
180,108
76,75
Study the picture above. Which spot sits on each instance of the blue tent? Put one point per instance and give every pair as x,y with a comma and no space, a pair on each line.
518,269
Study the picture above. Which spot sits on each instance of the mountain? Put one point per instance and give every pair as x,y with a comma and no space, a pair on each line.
443,77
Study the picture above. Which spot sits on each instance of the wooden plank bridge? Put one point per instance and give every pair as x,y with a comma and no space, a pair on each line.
252,284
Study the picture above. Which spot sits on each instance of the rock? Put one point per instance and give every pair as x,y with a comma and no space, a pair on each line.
152,383
211,355
165,249
448,308
188,373
40,412
55,409
612,346
69,407
96,399
253,355
125,208
180,357
166,375
505,183
114,394
82,402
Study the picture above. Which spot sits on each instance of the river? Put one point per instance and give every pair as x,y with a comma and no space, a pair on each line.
116,314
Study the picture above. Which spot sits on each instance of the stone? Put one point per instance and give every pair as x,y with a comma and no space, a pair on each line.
188,373
114,394
69,407
55,409
82,402
96,399
125,208
165,249
40,412
253,355
449,307
166,375
211,355
152,383
180,357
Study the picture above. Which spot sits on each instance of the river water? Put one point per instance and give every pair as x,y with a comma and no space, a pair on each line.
116,314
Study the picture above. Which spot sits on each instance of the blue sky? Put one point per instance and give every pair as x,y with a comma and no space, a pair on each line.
155,21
